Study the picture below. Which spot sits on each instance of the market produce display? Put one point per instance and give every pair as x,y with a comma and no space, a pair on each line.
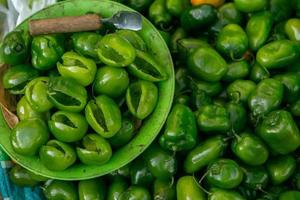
233,131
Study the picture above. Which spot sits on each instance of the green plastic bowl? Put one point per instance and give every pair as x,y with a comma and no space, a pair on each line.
151,127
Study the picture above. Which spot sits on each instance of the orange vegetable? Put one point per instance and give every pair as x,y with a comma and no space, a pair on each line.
215,3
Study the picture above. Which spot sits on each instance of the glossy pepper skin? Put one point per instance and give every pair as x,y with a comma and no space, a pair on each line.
188,45
57,156
250,6
104,116
240,90
21,177
28,136
180,129
86,43
163,189
15,48
237,70
16,78
292,29
255,177
210,88
237,116
291,82
25,111
66,94
56,190
159,14
232,41
177,7
250,149
36,94
92,189
141,98
161,164
187,188
280,9
77,67
115,51
281,168
262,21
266,97
258,73
95,150
278,54
140,174
203,154
116,188
213,118
198,17
46,50
135,193
224,173
124,135
280,132
207,64
68,126
216,194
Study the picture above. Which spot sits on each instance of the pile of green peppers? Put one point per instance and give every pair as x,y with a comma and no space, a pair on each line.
80,97
233,131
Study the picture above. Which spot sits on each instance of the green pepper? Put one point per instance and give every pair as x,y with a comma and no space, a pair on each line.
295,108
164,190
111,81
104,116
266,97
36,94
133,38
180,129
250,149
289,195
139,5
16,78
176,7
258,73
281,168
280,132
278,32
140,174
123,172
68,126
280,9
145,67
220,194
28,136
66,94
247,193
291,82
25,111
21,177
278,54
237,70
178,34
81,69
93,189
141,98
46,50
57,156
57,190
159,14
86,43
232,41
15,48
188,45
250,6
124,135
240,90
262,21
181,80
115,51
224,173
95,150
200,99
135,193
162,164
292,29
210,88
255,178
198,17
187,189
213,118
229,14
182,99
206,64
116,188
237,116
204,153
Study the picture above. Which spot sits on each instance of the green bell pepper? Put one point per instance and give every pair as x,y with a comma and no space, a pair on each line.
57,156
68,126
159,14
237,116
139,5
237,70
210,88
240,90
280,132
292,29
95,150
178,34
140,174
56,189
255,178
177,7
187,188
258,73
204,153
295,108
250,6
46,51
21,177
135,193
117,188
133,38
217,194
280,9
25,111
291,82
186,46
77,67
28,136
164,190
124,135
289,195
93,189
180,130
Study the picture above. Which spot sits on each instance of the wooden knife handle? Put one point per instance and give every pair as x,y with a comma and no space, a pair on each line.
88,22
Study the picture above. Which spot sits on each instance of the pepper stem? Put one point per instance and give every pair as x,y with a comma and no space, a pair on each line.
200,181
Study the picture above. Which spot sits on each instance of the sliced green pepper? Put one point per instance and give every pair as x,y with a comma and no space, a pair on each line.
133,38
25,111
